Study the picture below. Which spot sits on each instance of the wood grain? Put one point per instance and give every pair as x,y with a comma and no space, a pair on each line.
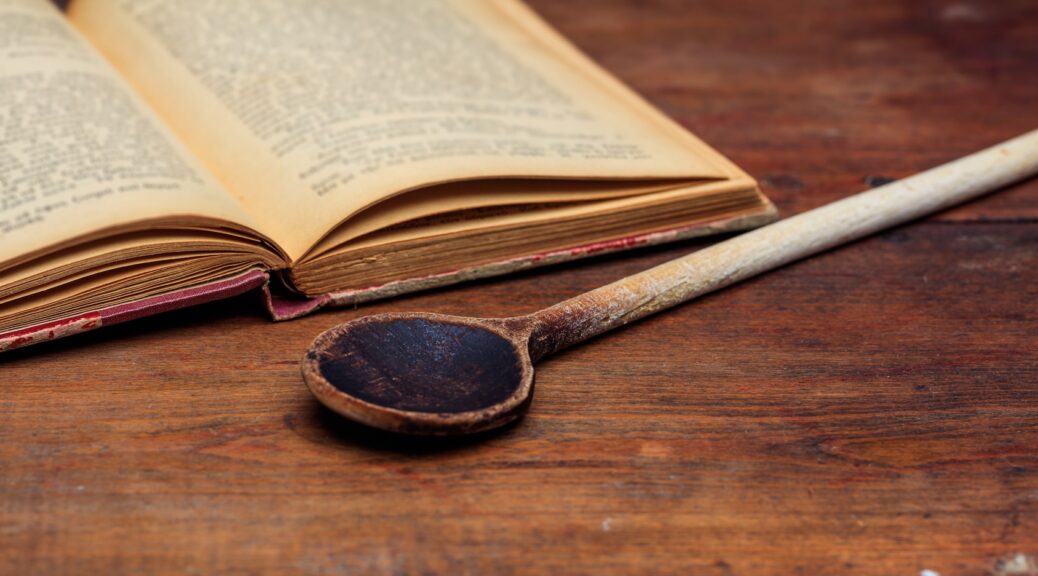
873,410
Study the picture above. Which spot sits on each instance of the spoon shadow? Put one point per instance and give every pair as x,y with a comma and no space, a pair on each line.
348,432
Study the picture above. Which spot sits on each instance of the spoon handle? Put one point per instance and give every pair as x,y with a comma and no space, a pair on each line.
785,241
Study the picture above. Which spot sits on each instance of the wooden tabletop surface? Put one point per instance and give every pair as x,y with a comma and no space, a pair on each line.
873,410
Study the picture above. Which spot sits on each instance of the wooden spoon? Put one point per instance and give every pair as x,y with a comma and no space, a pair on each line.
436,374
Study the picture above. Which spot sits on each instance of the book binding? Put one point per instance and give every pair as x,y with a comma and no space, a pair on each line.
284,305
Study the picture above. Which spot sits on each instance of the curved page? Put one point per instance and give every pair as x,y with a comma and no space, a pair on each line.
78,152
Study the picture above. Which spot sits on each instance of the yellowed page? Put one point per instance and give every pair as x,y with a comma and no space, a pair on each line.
116,286
94,256
529,196
310,111
78,151
395,254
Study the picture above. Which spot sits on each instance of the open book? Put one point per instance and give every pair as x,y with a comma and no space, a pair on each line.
157,154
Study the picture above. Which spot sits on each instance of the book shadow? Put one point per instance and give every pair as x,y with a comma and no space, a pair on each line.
243,305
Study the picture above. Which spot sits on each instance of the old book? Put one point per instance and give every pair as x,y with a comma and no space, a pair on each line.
159,154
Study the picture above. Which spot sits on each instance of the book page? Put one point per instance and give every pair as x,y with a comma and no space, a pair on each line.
309,112
78,152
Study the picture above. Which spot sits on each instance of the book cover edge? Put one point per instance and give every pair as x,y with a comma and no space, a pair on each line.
283,306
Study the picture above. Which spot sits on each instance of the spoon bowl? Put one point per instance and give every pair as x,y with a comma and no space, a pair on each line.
423,373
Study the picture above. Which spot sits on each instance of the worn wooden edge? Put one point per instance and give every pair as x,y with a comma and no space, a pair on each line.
515,331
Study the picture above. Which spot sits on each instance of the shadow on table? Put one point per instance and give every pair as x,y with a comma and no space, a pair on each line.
348,432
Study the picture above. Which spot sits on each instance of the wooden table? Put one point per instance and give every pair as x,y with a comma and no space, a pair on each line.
871,411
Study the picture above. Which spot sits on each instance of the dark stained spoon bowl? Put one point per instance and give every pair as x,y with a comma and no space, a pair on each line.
434,374
423,373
